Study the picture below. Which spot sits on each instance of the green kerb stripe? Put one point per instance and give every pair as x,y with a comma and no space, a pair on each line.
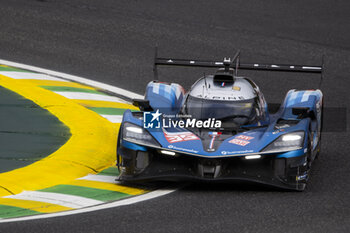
12,212
71,89
111,171
4,68
93,193
108,111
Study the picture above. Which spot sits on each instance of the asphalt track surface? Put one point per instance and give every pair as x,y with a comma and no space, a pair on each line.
113,42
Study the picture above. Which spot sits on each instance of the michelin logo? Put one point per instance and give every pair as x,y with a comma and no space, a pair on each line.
236,152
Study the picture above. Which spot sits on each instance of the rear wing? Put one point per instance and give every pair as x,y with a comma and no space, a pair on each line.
234,63
242,66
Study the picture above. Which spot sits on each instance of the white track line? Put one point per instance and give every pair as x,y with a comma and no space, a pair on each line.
101,178
116,90
66,200
24,75
128,201
89,96
113,118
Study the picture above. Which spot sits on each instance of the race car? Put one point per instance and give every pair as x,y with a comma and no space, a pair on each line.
221,129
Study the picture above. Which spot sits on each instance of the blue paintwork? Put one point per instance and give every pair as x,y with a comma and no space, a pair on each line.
133,146
164,96
261,136
290,154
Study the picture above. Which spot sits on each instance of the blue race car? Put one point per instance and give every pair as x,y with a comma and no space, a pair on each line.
221,129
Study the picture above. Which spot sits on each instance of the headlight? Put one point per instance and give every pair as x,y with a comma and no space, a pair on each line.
137,134
286,142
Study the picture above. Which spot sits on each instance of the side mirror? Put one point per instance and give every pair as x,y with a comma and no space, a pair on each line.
302,112
142,104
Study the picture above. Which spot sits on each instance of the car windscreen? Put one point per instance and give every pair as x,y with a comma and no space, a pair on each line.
241,112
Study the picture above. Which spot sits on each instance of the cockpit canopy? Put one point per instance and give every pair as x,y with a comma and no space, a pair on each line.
239,102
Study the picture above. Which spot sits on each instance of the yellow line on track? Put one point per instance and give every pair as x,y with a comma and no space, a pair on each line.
108,186
33,205
91,147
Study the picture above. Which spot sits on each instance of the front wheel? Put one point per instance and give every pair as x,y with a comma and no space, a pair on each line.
119,157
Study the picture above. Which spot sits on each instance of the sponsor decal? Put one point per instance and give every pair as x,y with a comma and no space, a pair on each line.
236,152
182,149
239,142
180,137
244,137
227,97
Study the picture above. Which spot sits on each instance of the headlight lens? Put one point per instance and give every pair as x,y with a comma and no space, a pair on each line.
137,134
286,142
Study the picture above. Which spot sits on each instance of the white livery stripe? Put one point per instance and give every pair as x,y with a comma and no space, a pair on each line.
101,178
89,96
293,96
70,201
113,118
156,88
178,91
306,96
25,75
167,89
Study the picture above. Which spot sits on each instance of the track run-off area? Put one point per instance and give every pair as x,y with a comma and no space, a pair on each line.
80,175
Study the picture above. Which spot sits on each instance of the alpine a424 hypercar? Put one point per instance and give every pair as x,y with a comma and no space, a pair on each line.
221,129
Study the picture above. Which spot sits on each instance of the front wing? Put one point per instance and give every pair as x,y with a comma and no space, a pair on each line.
149,164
